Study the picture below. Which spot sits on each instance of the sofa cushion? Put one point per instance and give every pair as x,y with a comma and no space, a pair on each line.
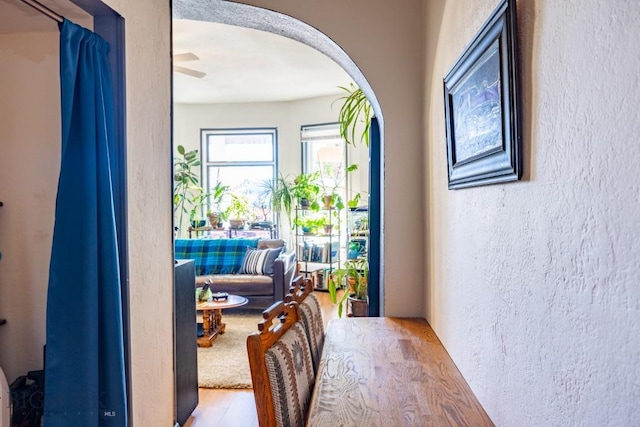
214,256
259,261
271,243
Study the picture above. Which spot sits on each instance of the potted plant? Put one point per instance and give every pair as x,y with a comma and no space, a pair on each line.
353,279
310,224
187,191
198,201
238,211
278,193
306,189
331,182
216,198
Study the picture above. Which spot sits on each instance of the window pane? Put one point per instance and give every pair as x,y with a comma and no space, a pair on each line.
240,147
327,157
247,181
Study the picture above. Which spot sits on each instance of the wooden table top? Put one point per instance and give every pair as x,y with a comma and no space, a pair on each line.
230,302
389,372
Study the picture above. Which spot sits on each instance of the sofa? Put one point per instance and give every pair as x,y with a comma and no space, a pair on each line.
260,270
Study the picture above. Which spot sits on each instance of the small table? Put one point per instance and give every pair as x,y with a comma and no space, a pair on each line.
212,317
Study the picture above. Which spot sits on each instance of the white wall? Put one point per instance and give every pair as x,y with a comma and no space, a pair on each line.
533,286
287,117
29,169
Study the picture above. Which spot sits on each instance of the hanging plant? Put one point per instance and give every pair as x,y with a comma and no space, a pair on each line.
356,109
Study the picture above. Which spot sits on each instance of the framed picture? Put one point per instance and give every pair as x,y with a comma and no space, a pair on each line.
482,106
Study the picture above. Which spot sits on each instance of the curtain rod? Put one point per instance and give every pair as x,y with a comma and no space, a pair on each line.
43,9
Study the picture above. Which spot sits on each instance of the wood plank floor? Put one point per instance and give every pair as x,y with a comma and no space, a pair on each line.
237,408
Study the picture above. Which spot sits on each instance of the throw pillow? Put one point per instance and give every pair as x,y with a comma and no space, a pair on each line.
259,261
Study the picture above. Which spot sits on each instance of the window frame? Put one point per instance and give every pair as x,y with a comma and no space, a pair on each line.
204,152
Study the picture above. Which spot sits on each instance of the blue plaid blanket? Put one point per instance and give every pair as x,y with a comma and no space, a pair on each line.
214,256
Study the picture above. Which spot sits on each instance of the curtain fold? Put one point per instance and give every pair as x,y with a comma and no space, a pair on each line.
84,362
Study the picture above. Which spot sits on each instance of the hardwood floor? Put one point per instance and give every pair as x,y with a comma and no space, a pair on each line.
237,408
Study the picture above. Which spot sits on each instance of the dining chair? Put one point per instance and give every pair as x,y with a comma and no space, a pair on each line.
281,367
301,292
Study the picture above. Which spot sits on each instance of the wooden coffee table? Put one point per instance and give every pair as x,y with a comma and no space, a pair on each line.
212,317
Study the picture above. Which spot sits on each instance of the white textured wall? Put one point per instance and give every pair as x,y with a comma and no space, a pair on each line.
29,169
533,286
147,25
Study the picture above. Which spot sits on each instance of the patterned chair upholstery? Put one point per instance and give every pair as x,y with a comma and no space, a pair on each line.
281,368
310,315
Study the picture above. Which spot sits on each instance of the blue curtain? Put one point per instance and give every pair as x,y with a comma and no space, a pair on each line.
84,363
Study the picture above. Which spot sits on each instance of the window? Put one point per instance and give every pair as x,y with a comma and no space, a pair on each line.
243,159
324,151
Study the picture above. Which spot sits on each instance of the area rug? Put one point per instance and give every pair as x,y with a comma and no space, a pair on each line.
225,364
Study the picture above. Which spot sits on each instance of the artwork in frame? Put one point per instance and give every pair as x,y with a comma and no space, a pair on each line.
482,106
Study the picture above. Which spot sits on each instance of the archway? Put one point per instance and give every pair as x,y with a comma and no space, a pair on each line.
243,15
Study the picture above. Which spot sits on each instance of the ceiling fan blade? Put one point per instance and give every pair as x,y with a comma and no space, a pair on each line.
182,57
189,72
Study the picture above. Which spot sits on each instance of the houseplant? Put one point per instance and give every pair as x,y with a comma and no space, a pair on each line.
331,184
278,193
238,211
198,201
215,199
355,111
187,192
306,189
352,277
310,224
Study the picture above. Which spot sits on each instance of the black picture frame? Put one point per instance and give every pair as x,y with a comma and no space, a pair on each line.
482,106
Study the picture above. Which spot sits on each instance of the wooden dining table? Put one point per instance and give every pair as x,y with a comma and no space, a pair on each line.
389,372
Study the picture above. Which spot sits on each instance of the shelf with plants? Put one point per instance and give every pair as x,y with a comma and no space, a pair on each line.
317,242
358,232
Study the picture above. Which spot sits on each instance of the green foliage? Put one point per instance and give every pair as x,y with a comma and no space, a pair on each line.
353,278
278,193
356,109
333,190
353,202
217,197
238,208
187,193
310,223
307,186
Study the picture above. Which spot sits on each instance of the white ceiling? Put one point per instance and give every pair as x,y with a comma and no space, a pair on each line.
241,64
246,65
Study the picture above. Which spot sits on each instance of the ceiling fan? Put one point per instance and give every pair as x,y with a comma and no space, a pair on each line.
183,57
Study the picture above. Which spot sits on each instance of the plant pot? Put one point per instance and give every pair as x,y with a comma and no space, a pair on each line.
236,224
328,228
304,203
199,223
328,201
213,219
359,307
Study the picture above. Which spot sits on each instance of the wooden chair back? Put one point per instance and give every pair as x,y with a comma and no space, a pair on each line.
281,367
301,292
